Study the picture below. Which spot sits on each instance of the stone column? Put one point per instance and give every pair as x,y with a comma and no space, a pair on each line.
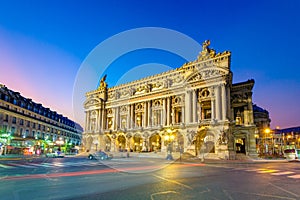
149,113
187,107
213,105
224,102
87,125
218,102
132,121
173,115
164,113
117,118
128,117
250,108
199,111
168,111
103,117
194,106
98,121
145,115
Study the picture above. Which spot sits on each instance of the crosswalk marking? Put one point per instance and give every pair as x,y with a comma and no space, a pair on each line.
282,173
6,166
49,165
19,165
274,172
267,171
295,176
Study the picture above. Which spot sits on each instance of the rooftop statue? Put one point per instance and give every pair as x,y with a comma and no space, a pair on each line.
103,84
205,45
206,51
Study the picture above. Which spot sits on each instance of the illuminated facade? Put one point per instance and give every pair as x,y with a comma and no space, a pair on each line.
24,123
196,104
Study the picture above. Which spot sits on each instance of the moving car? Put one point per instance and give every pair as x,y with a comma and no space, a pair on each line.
100,155
56,154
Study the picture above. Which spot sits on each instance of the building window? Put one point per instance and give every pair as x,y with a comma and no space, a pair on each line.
139,119
206,110
28,123
207,113
123,123
21,122
178,116
4,128
13,130
156,117
110,122
14,120
6,118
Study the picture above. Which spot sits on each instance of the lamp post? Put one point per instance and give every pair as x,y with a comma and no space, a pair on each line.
267,131
169,138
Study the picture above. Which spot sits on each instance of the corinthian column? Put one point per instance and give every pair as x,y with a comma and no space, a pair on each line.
164,112
168,111
149,113
128,117
188,107
145,115
194,110
224,102
218,102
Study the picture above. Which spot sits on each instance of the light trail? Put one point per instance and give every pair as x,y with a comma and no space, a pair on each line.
91,172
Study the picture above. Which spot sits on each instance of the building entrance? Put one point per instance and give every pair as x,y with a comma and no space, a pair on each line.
240,145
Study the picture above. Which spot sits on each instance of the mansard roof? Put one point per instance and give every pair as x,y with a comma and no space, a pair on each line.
17,99
246,84
294,130
259,109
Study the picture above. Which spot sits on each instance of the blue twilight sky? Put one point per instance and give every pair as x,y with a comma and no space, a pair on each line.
43,44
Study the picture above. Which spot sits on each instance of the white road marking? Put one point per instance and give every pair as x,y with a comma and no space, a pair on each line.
295,176
282,173
6,166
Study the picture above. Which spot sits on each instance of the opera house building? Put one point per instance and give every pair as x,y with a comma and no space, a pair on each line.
194,108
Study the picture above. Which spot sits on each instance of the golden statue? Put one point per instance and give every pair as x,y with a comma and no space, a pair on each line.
103,84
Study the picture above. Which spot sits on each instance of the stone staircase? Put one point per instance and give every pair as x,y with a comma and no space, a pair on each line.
242,156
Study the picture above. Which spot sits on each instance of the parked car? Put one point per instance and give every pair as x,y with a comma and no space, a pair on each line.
291,154
100,155
56,154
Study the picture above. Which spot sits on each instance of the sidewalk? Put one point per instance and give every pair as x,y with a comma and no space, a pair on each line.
18,157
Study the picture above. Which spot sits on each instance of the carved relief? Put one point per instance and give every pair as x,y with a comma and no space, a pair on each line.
239,98
123,109
178,79
143,89
139,107
204,93
113,95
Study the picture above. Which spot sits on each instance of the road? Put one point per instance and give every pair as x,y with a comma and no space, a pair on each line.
147,178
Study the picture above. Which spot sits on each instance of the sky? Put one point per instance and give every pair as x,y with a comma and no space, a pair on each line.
44,45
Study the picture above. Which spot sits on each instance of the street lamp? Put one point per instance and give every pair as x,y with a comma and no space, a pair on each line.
267,131
169,138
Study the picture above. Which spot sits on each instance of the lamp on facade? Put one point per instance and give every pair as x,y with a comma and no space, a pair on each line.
169,138
59,142
96,144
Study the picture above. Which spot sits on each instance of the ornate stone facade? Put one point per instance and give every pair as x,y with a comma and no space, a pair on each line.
197,103
29,123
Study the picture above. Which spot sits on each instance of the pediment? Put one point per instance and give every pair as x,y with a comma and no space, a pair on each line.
91,102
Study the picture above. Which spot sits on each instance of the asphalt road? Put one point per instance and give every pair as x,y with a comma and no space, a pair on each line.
146,178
